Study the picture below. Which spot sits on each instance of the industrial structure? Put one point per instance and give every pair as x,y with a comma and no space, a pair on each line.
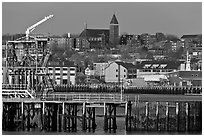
25,71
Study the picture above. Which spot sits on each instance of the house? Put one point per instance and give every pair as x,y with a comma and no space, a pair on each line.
99,68
185,78
89,71
120,71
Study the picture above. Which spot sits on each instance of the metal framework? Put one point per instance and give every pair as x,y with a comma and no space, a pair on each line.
26,60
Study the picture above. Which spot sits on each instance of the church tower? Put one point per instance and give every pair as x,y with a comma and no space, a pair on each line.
114,31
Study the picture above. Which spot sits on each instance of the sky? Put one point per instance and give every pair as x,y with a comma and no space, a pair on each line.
176,18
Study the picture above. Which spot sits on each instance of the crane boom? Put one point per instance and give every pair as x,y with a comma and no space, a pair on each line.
32,28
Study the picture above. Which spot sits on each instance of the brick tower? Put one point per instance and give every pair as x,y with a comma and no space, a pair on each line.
114,31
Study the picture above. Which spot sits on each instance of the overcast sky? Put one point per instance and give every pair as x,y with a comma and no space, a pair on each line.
134,18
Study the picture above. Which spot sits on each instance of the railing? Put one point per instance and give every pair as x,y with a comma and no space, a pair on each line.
85,97
16,93
15,86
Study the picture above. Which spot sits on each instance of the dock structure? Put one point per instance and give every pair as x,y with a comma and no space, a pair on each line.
72,115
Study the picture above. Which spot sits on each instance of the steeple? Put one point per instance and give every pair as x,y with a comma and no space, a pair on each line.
114,32
188,62
85,25
114,20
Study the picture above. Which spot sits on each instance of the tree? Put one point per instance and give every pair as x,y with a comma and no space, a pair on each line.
171,37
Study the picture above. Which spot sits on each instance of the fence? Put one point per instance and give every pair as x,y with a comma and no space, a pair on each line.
85,97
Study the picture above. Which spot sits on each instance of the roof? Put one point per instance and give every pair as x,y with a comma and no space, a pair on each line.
191,74
187,75
126,65
94,32
114,20
189,36
154,77
159,64
58,63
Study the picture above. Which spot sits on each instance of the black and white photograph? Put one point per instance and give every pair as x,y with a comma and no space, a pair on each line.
101,68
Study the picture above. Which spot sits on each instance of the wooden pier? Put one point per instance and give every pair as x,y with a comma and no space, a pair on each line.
64,115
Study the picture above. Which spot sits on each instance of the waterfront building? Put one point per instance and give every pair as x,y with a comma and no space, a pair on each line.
185,78
154,71
118,72
62,72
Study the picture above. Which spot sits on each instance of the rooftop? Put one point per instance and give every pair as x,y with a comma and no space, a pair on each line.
114,20
94,32
126,65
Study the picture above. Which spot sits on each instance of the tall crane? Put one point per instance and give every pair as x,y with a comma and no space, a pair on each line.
32,28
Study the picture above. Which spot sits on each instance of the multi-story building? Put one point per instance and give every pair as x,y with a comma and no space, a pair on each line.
118,72
145,39
58,39
131,40
62,72
124,39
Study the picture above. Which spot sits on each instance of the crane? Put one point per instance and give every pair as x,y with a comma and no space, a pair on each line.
32,28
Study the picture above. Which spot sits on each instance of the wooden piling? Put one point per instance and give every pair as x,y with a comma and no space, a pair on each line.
69,119
167,116
105,118
130,116
187,116
84,116
93,119
75,118
22,116
109,117
62,117
126,116
157,116
114,118
147,114
177,116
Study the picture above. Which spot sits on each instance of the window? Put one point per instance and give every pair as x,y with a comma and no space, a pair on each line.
72,68
72,74
116,70
116,76
64,81
57,74
57,68
124,70
124,76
